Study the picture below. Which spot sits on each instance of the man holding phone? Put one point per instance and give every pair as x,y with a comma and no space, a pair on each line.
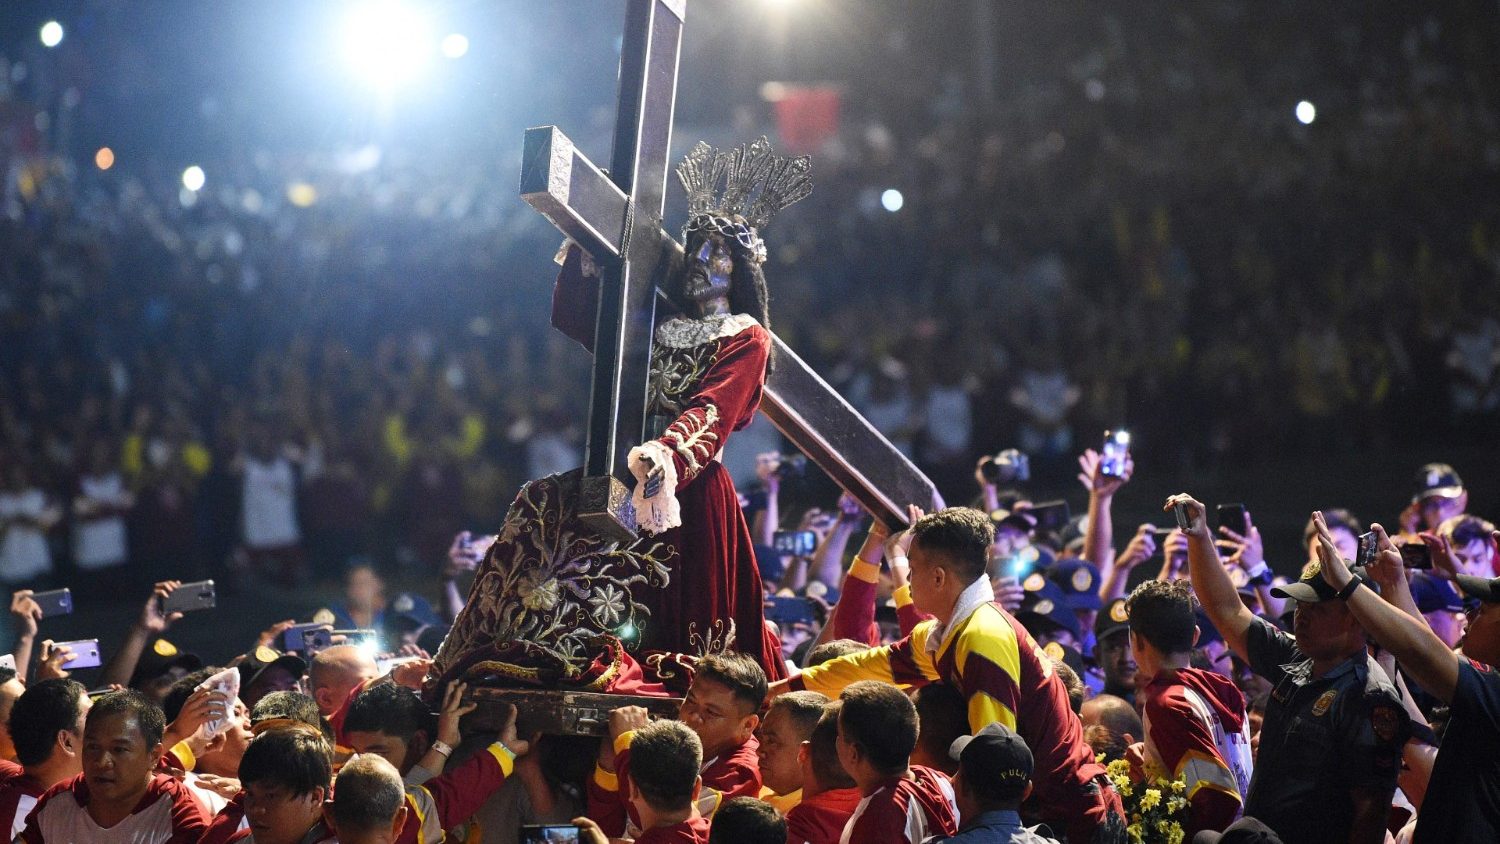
1330,747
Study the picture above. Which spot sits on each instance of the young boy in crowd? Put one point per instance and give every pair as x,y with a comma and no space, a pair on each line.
664,787
829,794
789,723
721,708
1195,721
286,773
120,799
47,723
902,804
370,804
393,723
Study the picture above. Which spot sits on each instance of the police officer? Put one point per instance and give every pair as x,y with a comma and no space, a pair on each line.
1330,746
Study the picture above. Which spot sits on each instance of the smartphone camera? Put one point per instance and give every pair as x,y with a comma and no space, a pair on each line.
1116,451
1010,466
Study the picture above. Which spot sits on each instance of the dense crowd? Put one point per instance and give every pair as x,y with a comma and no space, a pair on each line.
984,675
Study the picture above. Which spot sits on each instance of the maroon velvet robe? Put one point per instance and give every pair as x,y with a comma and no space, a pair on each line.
551,593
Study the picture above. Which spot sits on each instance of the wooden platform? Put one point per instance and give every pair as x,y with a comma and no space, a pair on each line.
560,712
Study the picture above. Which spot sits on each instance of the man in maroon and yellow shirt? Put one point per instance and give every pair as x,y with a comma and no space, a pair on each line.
721,707
977,647
666,788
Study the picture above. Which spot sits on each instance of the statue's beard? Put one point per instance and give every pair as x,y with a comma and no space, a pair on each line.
700,287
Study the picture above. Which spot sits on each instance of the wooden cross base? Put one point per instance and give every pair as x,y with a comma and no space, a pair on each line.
559,713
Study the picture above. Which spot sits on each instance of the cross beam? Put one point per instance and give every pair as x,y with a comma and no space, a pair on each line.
561,183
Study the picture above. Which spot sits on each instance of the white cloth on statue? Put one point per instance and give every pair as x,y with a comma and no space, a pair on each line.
270,508
100,542
24,553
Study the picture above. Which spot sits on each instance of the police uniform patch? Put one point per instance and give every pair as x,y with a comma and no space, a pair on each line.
265,654
1034,582
1386,723
164,648
1043,607
1479,666
1053,650
1117,612
1321,705
1082,580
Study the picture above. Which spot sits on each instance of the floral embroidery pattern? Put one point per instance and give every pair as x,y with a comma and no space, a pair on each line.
554,586
693,437
674,377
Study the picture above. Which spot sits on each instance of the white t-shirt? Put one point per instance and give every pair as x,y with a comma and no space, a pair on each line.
166,815
23,549
100,543
270,508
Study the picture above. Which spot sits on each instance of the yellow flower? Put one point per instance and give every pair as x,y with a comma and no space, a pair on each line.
1179,786
1135,834
1151,799
1174,834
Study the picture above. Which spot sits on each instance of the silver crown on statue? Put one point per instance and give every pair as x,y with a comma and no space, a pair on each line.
735,192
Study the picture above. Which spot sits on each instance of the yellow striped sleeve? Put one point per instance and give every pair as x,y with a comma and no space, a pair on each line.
505,757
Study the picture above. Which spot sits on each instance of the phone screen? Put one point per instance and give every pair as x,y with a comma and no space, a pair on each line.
549,834
1232,516
1114,454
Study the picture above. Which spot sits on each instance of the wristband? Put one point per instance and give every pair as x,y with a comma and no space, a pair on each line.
1260,575
1348,591
442,747
900,561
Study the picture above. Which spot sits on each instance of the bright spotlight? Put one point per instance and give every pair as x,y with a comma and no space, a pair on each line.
386,44
1306,112
104,158
892,200
455,46
193,178
52,34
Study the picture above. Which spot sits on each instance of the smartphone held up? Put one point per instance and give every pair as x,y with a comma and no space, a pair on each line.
1115,453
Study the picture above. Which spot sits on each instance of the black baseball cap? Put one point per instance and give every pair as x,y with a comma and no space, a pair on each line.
1207,632
1485,589
1437,480
1312,588
159,658
1112,619
264,658
995,755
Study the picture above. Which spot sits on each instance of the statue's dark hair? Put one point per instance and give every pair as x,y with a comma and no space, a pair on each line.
747,290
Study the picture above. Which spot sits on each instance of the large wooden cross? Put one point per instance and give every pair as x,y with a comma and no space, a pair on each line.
617,219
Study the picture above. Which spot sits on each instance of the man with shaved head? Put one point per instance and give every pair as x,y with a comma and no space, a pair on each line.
337,675
369,802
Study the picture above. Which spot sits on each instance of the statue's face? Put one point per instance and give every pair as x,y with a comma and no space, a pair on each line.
709,270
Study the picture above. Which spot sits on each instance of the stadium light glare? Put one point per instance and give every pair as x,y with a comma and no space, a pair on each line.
455,46
51,34
386,44
193,178
1306,112
892,200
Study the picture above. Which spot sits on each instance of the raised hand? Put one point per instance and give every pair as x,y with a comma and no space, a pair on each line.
411,674
271,635
52,660
1139,549
1249,552
627,718
900,543
1095,481
25,612
1197,523
152,619
1444,563
1388,566
1330,564
518,746
453,711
